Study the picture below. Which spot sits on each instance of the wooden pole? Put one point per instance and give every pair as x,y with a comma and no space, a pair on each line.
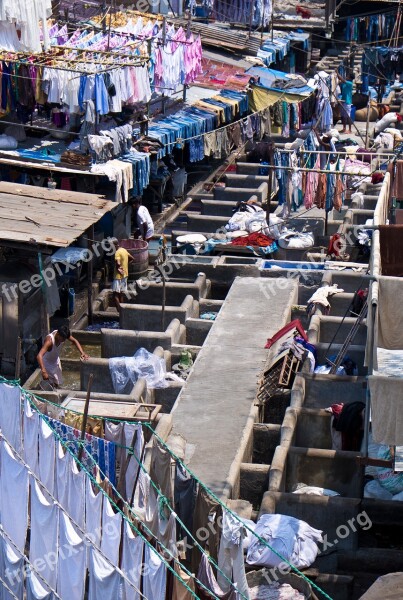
125,466
270,183
367,126
164,299
143,450
90,275
44,305
18,358
85,415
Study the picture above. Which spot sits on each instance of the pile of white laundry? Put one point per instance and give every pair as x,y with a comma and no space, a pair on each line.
292,539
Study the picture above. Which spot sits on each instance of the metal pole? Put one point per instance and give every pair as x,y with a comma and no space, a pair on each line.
370,367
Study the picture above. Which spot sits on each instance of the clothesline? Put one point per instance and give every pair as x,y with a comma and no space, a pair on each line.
327,172
160,496
338,153
67,66
186,468
26,559
257,112
64,511
166,551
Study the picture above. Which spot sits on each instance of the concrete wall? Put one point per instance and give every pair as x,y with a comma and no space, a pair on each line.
145,317
322,512
236,194
218,208
125,343
205,223
244,168
321,391
324,468
197,331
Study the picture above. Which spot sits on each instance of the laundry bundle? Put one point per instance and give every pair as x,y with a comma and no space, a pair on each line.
286,538
75,158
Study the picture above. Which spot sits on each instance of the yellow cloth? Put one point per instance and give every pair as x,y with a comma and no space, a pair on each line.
233,103
260,98
121,260
217,110
93,426
40,96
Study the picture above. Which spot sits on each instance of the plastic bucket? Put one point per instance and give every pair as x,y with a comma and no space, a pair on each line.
138,249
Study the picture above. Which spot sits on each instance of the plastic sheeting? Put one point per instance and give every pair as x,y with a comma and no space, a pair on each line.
126,370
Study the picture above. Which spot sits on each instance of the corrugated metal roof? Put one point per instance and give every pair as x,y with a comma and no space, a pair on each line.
35,215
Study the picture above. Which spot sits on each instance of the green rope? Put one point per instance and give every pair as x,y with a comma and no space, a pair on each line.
132,525
212,495
162,501
207,490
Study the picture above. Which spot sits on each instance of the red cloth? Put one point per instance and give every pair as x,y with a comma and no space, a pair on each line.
304,12
253,239
335,244
377,177
336,409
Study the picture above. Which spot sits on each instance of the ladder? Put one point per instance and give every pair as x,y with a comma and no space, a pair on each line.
349,339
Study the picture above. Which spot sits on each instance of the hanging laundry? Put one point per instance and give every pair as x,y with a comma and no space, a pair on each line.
31,432
97,451
12,565
44,539
161,470
37,589
185,497
134,471
72,561
132,560
179,591
111,530
76,493
320,196
230,557
206,576
10,414
93,514
155,578
14,487
47,456
104,581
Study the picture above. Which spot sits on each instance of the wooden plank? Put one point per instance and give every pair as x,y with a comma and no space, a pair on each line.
37,203
33,191
50,167
19,236
47,217
48,208
24,226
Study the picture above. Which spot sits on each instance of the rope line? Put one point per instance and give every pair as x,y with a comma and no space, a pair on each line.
205,488
55,501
